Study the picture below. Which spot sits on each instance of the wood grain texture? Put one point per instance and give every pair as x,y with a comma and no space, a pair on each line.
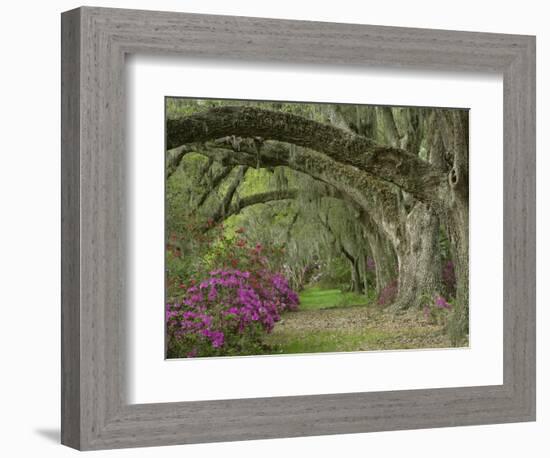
95,411
70,229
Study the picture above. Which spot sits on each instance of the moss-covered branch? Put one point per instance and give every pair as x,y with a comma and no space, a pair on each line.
386,163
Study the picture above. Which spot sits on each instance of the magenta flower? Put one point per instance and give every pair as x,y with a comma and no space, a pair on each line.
212,294
441,303
228,303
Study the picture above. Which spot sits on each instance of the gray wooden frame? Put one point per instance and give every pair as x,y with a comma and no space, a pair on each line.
95,413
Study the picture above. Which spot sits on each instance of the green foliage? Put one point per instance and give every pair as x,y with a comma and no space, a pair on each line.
236,344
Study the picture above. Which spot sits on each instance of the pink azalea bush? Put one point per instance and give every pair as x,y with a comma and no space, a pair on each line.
227,313
227,310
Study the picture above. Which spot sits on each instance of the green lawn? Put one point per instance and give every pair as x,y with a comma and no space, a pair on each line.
316,298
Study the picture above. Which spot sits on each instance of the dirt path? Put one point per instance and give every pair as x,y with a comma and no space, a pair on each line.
356,328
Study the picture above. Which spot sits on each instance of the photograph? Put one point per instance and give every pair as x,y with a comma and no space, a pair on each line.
297,227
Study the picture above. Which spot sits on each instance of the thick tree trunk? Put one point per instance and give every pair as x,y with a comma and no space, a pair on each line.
457,222
457,225
457,229
418,257
356,283
364,275
383,254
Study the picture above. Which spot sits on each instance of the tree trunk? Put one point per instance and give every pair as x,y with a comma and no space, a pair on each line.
365,285
354,266
457,229
458,223
356,283
385,261
418,258
457,226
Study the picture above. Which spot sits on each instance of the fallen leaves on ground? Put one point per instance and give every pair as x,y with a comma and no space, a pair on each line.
357,328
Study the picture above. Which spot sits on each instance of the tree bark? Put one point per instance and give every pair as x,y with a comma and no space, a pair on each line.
383,254
458,217
419,263
356,284
390,128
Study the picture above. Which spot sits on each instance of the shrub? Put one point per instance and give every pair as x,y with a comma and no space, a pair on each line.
185,254
230,297
227,313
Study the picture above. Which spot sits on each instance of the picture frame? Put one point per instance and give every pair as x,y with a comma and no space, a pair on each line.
95,410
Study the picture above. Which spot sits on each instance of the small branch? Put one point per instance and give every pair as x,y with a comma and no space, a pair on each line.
222,209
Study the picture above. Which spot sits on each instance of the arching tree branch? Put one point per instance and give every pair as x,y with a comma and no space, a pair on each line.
272,196
368,193
254,199
393,165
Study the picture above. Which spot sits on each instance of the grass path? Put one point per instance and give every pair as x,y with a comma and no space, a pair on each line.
318,299
330,321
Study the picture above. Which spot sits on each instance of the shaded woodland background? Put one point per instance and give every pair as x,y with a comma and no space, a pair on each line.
357,214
